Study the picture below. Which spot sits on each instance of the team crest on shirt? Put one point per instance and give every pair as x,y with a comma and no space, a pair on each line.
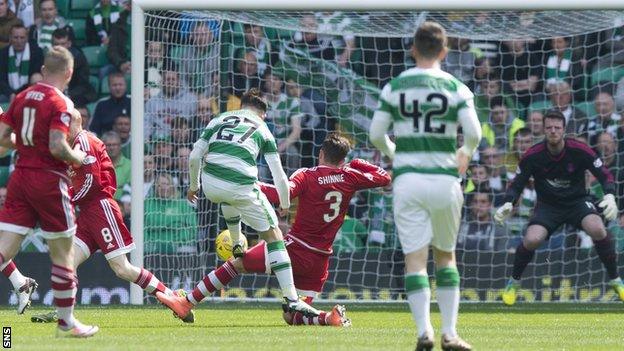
65,118
88,160
598,163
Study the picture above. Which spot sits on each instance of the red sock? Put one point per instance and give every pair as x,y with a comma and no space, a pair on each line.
10,267
214,281
148,282
64,283
299,319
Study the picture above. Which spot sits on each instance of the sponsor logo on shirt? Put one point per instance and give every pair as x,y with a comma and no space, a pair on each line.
597,163
559,183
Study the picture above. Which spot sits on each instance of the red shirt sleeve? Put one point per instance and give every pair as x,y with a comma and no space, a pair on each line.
365,175
89,171
61,115
296,186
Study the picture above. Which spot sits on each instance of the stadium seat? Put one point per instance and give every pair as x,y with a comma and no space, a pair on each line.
587,107
80,8
4,175
91,108
63,7
540,106
104,91
95,82
80,28
96,56
610,74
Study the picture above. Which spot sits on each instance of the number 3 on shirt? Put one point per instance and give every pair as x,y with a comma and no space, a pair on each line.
334,206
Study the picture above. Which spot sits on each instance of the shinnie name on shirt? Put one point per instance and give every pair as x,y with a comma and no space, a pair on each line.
330,179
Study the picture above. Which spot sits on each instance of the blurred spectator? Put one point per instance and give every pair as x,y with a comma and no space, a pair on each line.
154,61
284,119
41,32
181,133
3,196
380,218
121,126
535,123
255,40
460,60
181,166
174,100
122,164
149,175
351,237
606,119
502,125
108,108
561,97
561,64
245,74
18,62
118,51
170,222
382,58
523,140
199,60
100,20
24,10
307,40
7,21
79,89
205,108
492,158
163,154
521,71
478,231
337,22
86,117
606,147
314,124
488,89
479,180
483,70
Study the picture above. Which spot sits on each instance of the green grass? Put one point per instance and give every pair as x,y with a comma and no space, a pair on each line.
256,327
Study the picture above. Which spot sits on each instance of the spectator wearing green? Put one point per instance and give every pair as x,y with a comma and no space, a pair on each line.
121,163
380,219
351,237
487,89
502,126
121,126
607,118
118,51
199,60
100,20
255,40
170,222
41,32
7,21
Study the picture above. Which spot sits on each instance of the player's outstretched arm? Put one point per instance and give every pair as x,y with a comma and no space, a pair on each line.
368,175
60,149
279,179
195,159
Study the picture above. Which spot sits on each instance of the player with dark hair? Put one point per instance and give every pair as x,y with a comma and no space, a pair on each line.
324,193
227,152
38,191
558,167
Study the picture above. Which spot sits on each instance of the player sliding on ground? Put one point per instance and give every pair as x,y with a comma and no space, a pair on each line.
100,223
324,194
231,144
558,167
426,106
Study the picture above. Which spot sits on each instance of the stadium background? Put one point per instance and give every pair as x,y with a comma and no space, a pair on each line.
198,64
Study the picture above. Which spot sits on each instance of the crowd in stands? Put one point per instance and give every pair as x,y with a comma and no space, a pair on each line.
196,67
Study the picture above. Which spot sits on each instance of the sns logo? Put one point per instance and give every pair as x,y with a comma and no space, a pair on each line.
65,118
6,337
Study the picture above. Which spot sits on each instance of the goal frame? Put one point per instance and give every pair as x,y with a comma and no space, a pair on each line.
138,65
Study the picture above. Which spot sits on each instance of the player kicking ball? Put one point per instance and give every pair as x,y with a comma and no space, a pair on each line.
324,194
558,167
100,223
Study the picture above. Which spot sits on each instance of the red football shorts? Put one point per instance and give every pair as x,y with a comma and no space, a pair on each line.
38,196
101,227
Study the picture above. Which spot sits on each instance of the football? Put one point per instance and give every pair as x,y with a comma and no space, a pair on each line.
223,245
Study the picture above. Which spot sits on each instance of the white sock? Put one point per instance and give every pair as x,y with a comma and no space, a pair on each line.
448,301
280,264
420,302
17,279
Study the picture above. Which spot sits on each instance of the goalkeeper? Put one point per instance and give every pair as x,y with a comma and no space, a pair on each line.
558,167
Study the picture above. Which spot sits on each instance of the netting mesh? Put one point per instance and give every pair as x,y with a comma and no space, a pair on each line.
322,72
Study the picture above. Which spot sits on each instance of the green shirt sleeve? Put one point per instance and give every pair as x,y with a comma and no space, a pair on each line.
269,147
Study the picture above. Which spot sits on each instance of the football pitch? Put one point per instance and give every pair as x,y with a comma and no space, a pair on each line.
255,327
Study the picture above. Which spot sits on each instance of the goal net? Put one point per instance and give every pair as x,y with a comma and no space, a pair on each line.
322,72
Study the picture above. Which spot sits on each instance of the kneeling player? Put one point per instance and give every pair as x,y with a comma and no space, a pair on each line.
558,167
100,224
324,194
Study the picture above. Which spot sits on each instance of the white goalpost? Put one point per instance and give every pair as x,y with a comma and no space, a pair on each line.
330,95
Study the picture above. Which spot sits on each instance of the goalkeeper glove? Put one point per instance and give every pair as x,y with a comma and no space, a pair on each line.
503,212
609,208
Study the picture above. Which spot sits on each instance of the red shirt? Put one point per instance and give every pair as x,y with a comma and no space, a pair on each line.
33,113
324,195
95,179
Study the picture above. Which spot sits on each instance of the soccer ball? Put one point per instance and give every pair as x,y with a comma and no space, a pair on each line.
223,244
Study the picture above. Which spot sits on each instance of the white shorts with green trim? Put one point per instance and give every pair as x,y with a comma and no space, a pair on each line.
246,201
427,210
